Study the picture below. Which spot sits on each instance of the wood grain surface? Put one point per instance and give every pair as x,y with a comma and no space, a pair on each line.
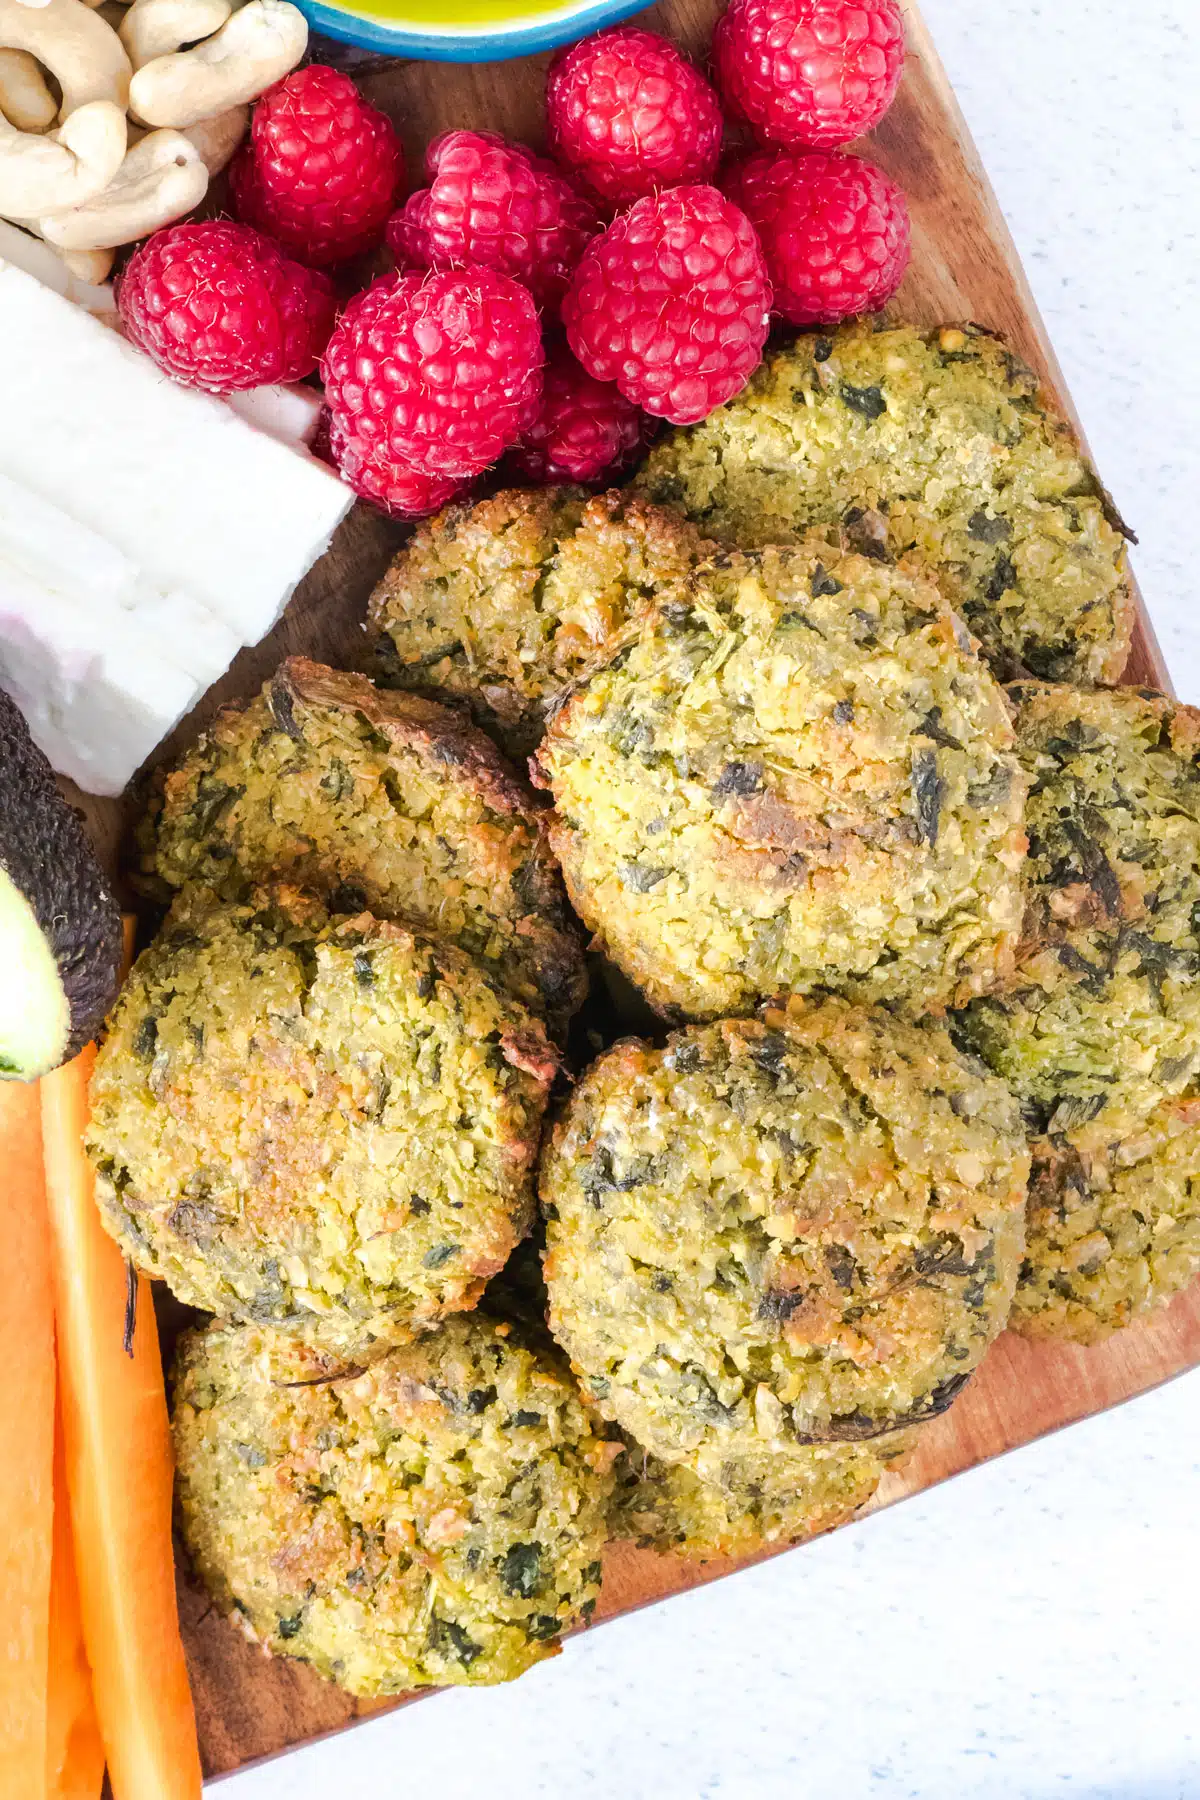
964,267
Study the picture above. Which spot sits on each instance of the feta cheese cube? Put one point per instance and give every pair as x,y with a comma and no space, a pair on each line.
195,498
85,571
98,698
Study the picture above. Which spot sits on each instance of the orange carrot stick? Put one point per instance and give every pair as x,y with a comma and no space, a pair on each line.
119,1474
27,1435
74,1752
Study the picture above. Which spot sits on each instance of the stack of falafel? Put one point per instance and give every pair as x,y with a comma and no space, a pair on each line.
915,933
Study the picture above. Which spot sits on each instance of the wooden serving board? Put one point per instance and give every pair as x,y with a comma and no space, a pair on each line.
964,267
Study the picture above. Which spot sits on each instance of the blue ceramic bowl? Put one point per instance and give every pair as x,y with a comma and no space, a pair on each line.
474,31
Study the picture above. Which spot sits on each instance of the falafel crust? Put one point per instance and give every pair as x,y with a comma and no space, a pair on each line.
436,1518
937,445
770,1234
759,1501
1111,1237
325,1125
1102,1018
385,803
794,774
503,603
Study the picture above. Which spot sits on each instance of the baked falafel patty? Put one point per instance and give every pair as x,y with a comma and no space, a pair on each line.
795,774
1110,1237
437,1517
503,603
770,1235
760,1500
1102,1018
385,803
937,445
324,1125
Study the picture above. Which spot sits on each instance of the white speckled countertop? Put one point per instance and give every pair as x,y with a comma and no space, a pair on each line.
1030,1630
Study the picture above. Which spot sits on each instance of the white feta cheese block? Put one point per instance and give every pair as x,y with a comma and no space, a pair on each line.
195,497
290,412
86,572
98,698
182,631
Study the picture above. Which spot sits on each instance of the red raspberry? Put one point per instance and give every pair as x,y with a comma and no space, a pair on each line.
437,373
586,430
219,306
321,169
672,303
809,73
408,232
392,486
834,231
630,114
496,205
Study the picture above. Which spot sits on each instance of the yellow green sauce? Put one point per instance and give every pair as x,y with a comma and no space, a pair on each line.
439,17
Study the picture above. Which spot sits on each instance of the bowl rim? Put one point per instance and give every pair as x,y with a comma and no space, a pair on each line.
519,36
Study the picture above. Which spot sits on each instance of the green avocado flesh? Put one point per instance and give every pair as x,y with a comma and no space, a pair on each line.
35,1020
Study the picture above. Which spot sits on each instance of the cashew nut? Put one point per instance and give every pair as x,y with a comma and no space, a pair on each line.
161,178
85,55
91,267
25,100
251,51
157,27
217,139
44,174
78,277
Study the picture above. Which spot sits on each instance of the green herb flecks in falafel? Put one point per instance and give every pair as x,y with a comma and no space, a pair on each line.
776,1234
327,1126
937,445
756,1501
382,802
1102,1018
1111,1236
503,603
436,1518
796,774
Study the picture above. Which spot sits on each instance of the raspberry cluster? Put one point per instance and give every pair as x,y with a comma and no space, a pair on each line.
662,268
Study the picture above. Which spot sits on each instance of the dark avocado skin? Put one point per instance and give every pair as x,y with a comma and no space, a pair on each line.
47,855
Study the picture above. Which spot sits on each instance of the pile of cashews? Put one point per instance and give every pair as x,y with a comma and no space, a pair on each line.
154,99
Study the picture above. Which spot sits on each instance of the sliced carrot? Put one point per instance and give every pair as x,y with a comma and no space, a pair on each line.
74,1752
27,1435
119,1474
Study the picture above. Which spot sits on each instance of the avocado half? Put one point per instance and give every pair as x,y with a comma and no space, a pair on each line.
60,924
